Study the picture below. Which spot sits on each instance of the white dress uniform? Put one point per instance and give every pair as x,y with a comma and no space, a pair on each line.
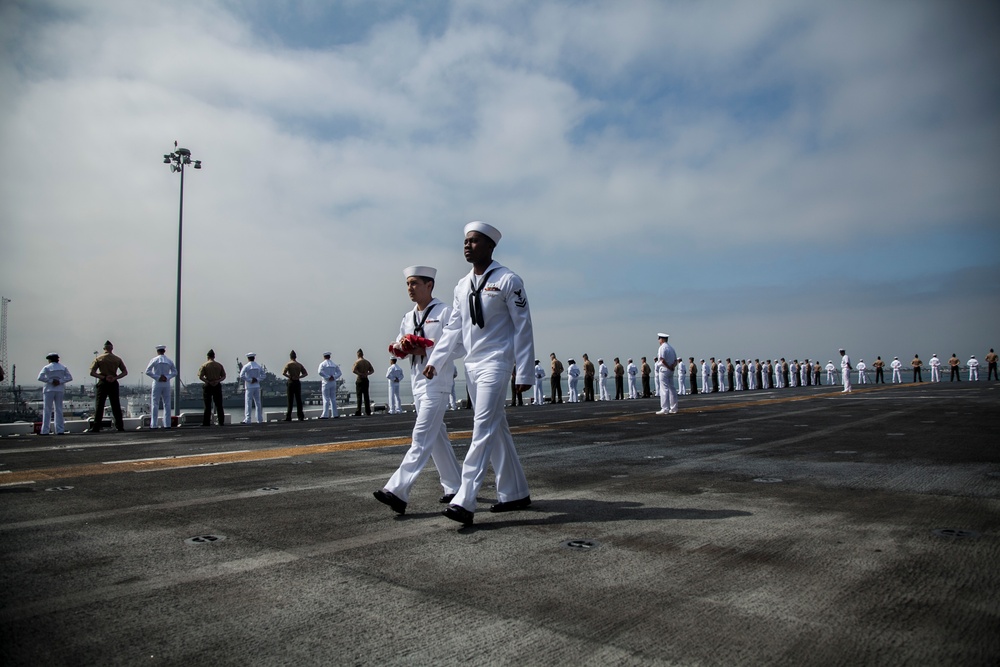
738,377
668,361
682,389
831,373
252,374
394,375
752,375
935,364
862,375
973,365
897,367
503,345
633,372
539,393
574,378
55,376
793,374
452,401
602,382
430,398
706,377
329,373
845,372
160,367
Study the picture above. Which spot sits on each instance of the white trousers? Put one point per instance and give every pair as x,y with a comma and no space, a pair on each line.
574,397
602,386
681,384
52,402
492,442
863,377
974,374
429,439
633,389
668,397
395,407
846,377
539,393
329,400
160,393
251,396
897,376
830,378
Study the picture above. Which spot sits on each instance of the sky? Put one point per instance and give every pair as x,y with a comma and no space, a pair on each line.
762,180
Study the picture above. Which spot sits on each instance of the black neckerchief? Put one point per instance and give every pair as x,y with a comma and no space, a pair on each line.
476,300
418,325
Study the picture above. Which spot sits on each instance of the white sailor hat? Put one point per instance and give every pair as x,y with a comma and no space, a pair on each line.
161,347
422,271
251,355
662,335
483,228
327,354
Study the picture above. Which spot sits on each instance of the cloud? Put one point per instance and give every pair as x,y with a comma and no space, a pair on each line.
649,162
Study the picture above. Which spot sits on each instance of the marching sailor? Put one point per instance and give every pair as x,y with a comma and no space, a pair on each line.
430,395
251,374
162,370
492,321
55,376
329,372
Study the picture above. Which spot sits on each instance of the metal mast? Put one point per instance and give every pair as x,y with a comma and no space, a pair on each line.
3,336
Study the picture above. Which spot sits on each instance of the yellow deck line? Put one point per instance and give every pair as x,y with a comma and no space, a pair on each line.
14,477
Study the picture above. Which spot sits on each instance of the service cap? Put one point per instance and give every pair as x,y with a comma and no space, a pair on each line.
662,335
251,355
421,271
483,228
52,356
327,354
161,348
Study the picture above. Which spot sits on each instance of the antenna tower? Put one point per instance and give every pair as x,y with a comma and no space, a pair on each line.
3,335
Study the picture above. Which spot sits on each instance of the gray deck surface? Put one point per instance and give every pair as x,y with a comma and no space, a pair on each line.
788,527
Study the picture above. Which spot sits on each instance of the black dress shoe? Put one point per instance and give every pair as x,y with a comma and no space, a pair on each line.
459,514
446,498
392,500
512,505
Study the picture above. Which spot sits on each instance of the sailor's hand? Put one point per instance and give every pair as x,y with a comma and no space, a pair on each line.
430,372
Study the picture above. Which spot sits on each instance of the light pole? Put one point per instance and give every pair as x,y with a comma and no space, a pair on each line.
177,160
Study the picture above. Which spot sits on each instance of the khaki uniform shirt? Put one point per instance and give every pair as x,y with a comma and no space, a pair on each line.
108,364
212,372
362,368
293,370
588,369
557,367
916,363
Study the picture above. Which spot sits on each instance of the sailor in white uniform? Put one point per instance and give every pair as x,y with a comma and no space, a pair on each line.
897,372
845,371
329,373
574,379
452,401
55,376
682,375
633,372
831,372
539,375
161,369
935,365
430,395
668,361
973,365
492,322
862,374
393,376
251,374
706,377
602,381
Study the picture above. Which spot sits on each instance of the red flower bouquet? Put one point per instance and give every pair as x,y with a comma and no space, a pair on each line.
410,344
